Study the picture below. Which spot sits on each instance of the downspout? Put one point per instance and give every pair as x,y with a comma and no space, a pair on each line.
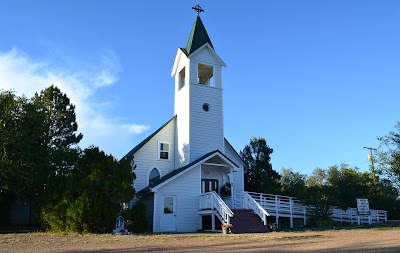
231,182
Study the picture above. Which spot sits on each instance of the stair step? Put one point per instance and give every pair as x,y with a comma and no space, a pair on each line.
245,221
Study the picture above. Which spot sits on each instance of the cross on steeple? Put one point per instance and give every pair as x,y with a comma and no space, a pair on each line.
198,9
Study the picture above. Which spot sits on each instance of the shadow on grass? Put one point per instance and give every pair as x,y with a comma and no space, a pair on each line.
19,229
339,226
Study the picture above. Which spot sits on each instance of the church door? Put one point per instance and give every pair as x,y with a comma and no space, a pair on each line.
209,185
168,214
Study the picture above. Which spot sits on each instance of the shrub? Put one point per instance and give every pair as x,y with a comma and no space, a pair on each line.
136,218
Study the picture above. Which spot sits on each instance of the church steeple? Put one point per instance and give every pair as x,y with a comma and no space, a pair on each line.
198,96
197,38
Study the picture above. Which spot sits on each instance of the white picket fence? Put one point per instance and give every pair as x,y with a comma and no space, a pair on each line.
350,215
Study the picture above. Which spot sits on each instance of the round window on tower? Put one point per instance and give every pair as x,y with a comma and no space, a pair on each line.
206,107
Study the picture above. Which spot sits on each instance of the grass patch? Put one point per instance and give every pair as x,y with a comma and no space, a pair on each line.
297,237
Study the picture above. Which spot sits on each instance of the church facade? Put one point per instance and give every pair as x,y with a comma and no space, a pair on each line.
188,175
182,166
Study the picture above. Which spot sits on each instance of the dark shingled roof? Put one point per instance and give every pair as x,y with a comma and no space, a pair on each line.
197,38
146,140
177,171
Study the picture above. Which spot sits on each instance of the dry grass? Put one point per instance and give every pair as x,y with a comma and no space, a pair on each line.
365,240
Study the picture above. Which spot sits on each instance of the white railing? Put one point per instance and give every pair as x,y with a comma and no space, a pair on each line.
211,200
281,206
350,215
250,203
291,207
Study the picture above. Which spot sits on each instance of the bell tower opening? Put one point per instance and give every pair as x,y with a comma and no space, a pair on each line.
181,79
205,75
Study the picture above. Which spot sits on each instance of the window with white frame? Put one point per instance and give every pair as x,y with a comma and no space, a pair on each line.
163,150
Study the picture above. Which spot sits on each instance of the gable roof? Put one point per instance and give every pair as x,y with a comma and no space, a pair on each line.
180,170
244,164
130,153
197,38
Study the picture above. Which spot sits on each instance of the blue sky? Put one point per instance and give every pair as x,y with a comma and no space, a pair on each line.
317,79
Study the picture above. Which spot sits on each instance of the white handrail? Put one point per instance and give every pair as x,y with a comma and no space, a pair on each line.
250,202
213,201
292,207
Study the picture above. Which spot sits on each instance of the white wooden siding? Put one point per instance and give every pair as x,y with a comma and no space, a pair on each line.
182,127
205,56
212,172
187,190
238,177
146,158
183,62
206,128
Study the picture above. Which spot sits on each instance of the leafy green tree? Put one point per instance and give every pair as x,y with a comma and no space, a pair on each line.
93,194
321,198
348,184
61,118
341,185
389,156
60,137
22,154
259,176
318,177
292,183
336,186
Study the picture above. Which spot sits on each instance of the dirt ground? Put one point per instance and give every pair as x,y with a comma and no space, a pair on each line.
365,240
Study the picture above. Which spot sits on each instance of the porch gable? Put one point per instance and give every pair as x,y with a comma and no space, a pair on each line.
214,156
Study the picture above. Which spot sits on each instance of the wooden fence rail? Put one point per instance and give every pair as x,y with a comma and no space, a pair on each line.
291,207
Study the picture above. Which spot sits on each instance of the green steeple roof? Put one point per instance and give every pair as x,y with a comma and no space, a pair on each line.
197,38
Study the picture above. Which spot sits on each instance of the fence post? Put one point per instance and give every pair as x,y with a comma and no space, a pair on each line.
291,212
276,210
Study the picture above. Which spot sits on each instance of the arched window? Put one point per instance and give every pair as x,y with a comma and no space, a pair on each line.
154,176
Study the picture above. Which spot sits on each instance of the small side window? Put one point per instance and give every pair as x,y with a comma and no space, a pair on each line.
163,151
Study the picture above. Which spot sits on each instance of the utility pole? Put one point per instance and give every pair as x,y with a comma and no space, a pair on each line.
370,157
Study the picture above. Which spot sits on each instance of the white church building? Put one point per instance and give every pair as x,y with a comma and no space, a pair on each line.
188,160
181,167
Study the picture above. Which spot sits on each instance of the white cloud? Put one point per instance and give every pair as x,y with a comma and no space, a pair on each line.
26,76
135,129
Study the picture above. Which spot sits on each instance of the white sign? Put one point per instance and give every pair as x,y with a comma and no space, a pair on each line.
363,207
